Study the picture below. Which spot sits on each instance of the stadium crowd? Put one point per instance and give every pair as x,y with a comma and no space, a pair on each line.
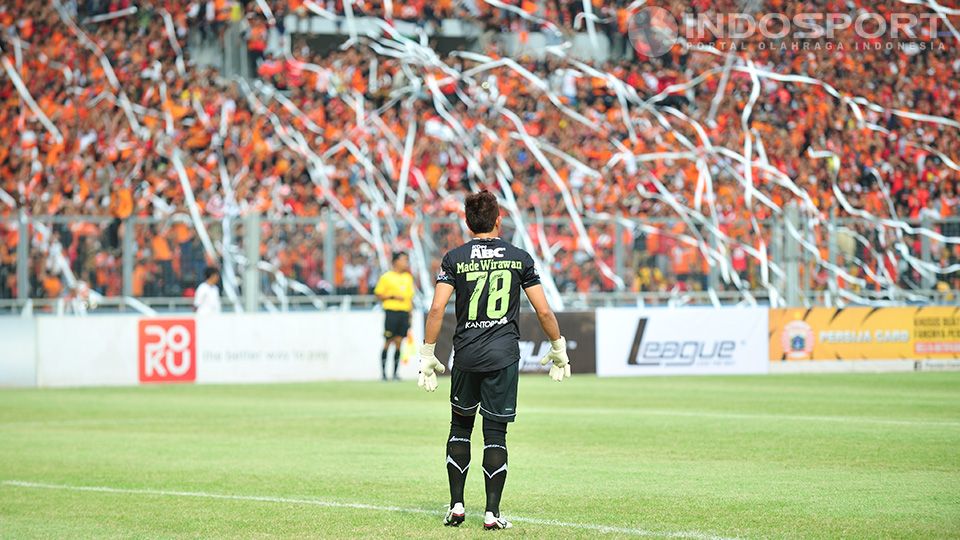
136,125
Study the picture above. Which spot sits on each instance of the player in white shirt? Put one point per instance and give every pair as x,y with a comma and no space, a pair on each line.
207,297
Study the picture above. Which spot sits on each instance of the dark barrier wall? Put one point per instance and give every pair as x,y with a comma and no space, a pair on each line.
579,327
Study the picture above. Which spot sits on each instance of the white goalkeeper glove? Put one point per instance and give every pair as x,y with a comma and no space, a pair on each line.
557,354
429,367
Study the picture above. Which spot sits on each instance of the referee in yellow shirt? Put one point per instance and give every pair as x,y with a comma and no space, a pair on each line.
395,290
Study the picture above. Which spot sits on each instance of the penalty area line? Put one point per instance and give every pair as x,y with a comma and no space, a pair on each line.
695,535
746,416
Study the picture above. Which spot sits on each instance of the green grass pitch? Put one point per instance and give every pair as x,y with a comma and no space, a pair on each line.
811,456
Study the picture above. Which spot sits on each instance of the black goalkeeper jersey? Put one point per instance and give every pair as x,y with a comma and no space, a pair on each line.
488,275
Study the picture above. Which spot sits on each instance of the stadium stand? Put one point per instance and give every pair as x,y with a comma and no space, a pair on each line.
124,124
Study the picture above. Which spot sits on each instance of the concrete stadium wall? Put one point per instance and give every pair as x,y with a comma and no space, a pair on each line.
843,366
86,351
862,366
18,353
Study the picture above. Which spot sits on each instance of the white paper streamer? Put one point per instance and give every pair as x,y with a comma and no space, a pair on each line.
110,16
28,99
747,166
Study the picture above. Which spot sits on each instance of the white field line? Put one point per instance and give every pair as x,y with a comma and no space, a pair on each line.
357,506
153,420
620,411
743,416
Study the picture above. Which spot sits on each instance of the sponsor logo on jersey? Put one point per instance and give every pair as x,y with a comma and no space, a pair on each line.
485,324
484,252
678,353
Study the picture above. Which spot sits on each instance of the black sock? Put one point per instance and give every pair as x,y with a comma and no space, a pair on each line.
494,462
396,361
458,455
383,361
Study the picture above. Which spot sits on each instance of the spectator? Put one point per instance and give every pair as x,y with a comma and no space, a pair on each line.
886,164
163,255
121,207
206,299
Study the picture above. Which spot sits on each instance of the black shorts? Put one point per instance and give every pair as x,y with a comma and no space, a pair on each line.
396,324
493,393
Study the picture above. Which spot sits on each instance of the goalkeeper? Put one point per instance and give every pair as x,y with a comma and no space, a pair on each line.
487,274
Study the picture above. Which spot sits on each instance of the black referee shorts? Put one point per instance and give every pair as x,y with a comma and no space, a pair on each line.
493,393
396,324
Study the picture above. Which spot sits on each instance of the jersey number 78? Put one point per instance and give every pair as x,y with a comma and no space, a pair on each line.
498,295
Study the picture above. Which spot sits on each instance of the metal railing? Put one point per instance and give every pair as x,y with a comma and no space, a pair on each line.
84,264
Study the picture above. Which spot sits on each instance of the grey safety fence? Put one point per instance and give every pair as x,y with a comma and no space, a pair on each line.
77,264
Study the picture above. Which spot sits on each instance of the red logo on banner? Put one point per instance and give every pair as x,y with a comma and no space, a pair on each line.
168,350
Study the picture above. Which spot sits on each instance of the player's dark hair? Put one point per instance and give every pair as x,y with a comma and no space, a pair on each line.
482,211
209,272
397,255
